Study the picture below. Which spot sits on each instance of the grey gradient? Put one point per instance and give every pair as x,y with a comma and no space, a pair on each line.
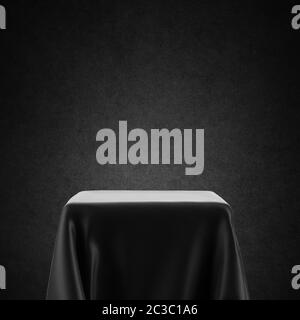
70,68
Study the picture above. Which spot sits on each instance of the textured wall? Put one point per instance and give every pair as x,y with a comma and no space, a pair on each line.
70,68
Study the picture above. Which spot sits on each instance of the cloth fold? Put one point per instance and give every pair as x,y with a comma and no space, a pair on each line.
146,251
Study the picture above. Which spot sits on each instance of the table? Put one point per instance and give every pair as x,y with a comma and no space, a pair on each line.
146,245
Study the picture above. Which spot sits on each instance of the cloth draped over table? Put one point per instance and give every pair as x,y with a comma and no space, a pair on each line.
146,251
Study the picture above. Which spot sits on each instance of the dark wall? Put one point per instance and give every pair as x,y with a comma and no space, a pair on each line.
70,68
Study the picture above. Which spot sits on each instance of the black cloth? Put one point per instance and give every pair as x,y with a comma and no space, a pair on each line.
146,251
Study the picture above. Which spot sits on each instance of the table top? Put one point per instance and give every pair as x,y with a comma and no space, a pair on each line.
141,196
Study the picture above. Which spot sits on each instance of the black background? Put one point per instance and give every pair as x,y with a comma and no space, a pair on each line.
70,68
